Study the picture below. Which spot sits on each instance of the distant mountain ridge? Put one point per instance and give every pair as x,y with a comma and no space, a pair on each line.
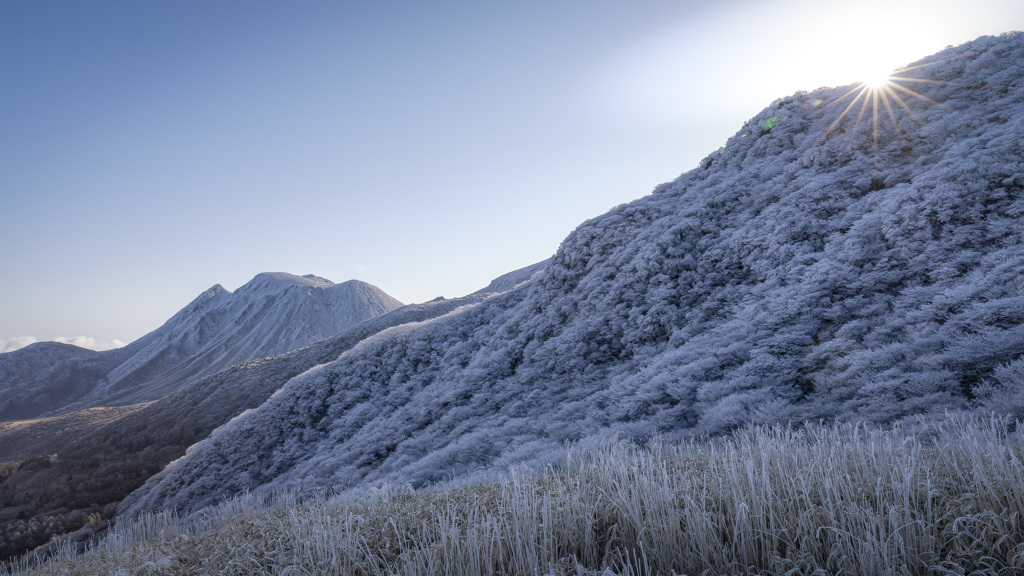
819,265
271,314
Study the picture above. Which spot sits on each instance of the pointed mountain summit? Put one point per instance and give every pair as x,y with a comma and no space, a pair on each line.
844,255
271,314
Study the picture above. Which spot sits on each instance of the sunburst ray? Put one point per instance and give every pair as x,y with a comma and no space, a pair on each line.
879,95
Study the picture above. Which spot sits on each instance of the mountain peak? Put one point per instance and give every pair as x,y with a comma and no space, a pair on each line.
286,279
316,278
274,282
211,297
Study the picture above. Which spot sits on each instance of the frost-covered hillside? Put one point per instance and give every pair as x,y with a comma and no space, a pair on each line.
822,264
272,314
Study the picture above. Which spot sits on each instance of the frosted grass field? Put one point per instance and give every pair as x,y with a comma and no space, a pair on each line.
839,499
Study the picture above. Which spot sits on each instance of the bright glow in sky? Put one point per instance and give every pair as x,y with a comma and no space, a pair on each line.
150,150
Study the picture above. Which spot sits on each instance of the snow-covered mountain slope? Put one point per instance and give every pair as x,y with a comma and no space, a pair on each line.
821,264
271,314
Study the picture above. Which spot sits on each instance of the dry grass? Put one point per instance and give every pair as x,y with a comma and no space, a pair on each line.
840,499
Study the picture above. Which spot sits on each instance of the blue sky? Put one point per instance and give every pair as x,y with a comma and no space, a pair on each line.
149,150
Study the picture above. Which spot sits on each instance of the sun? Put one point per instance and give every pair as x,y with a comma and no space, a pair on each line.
879,98
877,81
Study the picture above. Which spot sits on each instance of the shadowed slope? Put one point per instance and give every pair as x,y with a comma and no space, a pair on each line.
22,439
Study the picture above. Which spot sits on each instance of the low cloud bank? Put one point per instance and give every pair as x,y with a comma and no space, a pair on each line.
12,344
17,342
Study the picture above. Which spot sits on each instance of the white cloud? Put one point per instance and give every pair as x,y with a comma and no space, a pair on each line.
12,344
17,342
90,342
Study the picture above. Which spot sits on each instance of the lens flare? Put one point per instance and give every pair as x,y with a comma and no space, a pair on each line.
877,97
877,82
